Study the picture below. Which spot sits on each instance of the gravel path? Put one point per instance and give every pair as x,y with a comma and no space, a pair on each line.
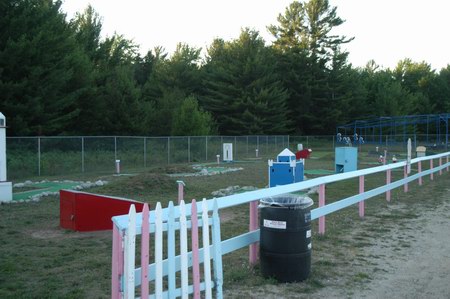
421,270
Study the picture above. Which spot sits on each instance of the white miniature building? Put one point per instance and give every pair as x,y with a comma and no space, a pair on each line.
421,151
5,187
228,152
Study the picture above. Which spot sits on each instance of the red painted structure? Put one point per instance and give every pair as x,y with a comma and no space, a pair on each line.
303,154
81,211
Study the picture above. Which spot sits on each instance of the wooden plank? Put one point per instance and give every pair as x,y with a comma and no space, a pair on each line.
217,255
183,252
171,250
206,253
195,251
158,252
130,244
145,258
115,275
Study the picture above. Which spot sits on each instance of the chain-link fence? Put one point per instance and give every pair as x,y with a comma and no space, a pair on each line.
47,156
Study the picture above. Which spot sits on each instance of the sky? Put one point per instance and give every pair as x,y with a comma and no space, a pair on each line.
386,31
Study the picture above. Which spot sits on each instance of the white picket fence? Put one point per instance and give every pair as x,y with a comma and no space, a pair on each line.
174,263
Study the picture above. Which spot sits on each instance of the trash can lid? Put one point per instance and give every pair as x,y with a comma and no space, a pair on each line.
287,201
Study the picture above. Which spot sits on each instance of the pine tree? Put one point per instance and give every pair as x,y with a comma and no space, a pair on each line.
312,61
42,68
243,91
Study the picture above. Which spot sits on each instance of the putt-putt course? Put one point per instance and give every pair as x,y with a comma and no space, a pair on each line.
45,188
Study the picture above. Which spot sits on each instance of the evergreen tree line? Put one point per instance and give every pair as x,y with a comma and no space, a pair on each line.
60,77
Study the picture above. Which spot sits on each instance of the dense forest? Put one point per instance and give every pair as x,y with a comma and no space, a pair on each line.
61,77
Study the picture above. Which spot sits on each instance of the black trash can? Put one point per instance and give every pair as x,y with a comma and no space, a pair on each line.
285,237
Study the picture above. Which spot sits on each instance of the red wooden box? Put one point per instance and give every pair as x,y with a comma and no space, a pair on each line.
81,211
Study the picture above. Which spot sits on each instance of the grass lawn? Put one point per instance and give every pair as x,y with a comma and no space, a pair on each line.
38,259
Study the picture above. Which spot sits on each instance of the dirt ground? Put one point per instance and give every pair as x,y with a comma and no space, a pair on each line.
421,270
415,260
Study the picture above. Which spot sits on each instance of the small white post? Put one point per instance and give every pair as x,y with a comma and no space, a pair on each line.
256,153
218,159
117,166
5,187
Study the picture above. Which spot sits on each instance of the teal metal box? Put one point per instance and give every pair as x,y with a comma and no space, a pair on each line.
346,159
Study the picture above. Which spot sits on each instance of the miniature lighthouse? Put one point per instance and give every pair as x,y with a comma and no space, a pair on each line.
5,187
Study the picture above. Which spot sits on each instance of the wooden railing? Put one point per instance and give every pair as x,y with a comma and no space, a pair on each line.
122,284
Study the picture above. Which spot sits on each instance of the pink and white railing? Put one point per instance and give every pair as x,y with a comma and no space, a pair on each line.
126,278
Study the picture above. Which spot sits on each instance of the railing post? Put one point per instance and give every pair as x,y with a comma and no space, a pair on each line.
321,204
388,181
440,164
405,175
180,191
419,170
431,167
253,248
361,190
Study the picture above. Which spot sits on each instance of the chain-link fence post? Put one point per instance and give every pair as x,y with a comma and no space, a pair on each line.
168,150
39,156
82,154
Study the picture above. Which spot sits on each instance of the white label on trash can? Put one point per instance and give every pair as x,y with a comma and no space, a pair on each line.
308,233
309,246
275,224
